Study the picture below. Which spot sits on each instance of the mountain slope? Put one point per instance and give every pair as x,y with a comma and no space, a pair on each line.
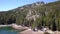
40,9
32,14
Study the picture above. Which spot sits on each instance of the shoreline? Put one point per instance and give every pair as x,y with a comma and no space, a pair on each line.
28,30
4,25
15,26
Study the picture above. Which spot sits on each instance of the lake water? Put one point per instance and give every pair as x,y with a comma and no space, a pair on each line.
7,30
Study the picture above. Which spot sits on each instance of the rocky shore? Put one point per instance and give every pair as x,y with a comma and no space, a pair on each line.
28,30
4,25
19,27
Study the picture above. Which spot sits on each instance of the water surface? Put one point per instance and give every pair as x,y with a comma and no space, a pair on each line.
8,30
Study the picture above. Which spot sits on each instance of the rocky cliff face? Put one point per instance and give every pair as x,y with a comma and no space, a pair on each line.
32,15
29,12
34,4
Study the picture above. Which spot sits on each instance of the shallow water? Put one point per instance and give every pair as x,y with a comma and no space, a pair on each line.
8,32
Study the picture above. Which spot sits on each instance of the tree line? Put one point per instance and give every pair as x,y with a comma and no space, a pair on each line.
49,16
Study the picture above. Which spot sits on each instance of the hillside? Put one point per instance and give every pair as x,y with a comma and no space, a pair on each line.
35,15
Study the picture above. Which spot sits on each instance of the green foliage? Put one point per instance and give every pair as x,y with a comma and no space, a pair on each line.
49,16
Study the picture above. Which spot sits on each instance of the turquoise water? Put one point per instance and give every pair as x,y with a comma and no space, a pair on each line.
8,30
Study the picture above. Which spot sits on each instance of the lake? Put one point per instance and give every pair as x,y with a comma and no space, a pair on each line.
8,30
